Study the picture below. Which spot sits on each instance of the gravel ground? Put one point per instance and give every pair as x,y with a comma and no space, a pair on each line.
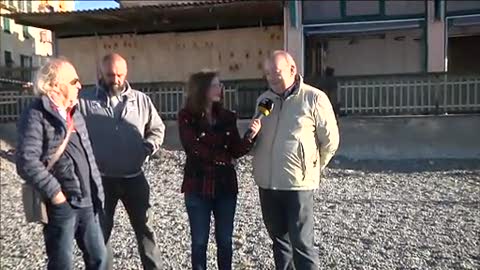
413,215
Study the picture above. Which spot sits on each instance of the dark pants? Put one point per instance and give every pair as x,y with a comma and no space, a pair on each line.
135,195
288,216
199,211
65,224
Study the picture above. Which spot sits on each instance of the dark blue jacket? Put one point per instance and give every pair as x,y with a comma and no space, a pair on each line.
41,130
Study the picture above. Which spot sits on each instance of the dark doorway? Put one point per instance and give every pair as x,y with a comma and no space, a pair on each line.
464,55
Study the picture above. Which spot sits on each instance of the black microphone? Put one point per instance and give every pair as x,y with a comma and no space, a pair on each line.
264,108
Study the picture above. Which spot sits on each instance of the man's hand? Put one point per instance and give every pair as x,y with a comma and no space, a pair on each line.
59,198
148,148
254,126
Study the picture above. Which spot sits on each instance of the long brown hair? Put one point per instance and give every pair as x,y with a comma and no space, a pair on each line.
197,88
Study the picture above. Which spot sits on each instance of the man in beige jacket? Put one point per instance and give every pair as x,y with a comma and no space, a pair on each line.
295,143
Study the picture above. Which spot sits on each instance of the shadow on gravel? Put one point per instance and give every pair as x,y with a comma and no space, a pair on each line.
465,203
8,135
8,155
407,165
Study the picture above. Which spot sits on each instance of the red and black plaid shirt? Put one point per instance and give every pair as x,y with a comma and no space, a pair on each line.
210,151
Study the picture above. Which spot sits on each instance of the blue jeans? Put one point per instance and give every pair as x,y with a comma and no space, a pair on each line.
199,210
65,224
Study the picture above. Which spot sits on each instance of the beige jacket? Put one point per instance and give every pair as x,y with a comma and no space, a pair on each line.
296,141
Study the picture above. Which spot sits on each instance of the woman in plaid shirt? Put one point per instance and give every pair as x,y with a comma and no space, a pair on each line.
209,135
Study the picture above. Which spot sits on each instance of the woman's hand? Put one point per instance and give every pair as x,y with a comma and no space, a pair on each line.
255,126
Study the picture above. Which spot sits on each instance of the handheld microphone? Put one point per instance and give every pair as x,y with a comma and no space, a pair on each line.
264,108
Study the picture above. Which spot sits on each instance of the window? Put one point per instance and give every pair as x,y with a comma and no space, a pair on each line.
25,61
6,25
11,3
25,32
21,6
29,5
462,6
8,64
8,59
26,64
399,8
61,5
45,6
362,8
44,37
316,11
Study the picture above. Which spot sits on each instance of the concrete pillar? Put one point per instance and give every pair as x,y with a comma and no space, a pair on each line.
436,39
293,32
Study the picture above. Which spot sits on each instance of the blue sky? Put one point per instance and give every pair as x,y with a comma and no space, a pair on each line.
86,4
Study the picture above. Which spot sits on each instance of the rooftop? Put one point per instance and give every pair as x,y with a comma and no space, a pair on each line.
162,17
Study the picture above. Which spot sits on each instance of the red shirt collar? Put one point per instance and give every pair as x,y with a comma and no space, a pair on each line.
69,111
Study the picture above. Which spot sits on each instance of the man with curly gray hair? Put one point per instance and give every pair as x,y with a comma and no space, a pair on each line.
69,183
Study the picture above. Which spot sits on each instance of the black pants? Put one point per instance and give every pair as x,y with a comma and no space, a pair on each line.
288,216
135,195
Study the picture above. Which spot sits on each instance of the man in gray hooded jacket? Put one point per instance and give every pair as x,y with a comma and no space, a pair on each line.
125,129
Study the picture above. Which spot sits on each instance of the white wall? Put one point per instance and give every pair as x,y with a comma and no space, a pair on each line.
376,55
236,53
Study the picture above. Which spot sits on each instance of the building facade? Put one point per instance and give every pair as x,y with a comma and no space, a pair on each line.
170,40
372,57
386,36
23,48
